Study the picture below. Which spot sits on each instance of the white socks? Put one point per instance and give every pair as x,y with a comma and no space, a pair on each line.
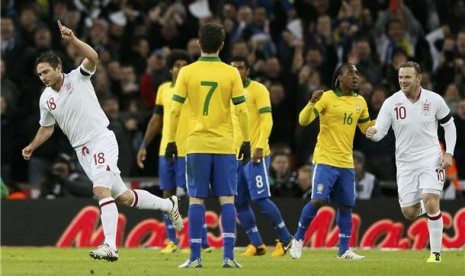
435,227
109,218
145,200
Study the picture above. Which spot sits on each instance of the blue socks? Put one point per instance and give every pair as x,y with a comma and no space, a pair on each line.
196,216
228,223
170,231
308,213
344,222
272,213
205,243
248,222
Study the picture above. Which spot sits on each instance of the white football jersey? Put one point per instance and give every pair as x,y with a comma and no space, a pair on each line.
415,126
75,108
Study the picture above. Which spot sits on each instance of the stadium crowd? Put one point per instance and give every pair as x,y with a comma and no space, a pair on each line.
293,47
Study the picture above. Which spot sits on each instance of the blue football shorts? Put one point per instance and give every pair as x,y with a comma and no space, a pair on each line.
334,185
211,171
252,180
172,175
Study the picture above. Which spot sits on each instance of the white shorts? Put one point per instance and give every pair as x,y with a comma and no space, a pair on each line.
99,158
411,184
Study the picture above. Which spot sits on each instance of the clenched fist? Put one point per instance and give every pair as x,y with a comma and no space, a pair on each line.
371,131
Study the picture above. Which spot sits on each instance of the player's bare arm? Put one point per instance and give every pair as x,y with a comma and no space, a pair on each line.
42,135
153,128
90,55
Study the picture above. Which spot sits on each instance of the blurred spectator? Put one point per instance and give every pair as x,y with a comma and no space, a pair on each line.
115,75
156,74
129,86
137,55
355,12
64,181
304,178
10,40
122,127
363,59
193,47
291,51
69,15
448,65
10,147
99,36
8,87
459,155
454,15
283,180
365,90
366,184
102,83
389,70
41,161
322,37
460,60
28,19
435,38
283,116
379,157
31,86
316,61
396,27
305,136
452,97
168,27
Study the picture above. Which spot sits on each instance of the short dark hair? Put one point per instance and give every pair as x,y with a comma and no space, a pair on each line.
339,71
176,55
49,57
411,64
211,35
241,59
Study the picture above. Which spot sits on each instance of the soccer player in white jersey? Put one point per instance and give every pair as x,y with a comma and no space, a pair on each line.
69,100
414,113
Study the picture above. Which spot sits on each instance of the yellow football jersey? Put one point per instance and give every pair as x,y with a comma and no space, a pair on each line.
164,98
339,116
210,85
260,119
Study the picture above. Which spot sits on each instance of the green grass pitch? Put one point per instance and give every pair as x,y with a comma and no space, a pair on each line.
140,261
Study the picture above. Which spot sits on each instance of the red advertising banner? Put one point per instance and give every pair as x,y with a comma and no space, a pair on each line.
76,223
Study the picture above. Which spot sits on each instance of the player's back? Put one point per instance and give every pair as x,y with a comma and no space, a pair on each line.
209,86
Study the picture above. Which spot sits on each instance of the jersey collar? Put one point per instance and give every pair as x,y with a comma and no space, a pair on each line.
338,92
209,59
247,82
